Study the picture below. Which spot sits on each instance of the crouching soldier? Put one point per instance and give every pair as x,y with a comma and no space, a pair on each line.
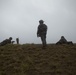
6,41
42,31
62,40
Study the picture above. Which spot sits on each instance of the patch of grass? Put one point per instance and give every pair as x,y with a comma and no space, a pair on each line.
31,59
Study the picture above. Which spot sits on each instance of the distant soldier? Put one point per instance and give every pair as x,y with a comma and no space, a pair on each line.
42,31
17,40
62,40
6,41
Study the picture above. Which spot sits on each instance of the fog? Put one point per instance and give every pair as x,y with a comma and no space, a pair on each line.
20,19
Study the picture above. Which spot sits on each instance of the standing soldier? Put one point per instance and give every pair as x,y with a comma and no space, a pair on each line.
42,31
17,40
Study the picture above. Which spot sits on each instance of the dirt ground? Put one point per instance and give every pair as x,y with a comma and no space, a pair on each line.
31,59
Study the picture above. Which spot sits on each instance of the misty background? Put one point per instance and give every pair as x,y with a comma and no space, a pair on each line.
20,19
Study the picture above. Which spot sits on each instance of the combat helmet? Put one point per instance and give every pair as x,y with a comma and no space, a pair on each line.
62,37
10,38
41,21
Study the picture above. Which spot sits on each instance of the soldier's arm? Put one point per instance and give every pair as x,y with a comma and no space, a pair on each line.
46,28
38,31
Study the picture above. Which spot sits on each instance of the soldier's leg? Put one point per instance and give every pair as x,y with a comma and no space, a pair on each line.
43,39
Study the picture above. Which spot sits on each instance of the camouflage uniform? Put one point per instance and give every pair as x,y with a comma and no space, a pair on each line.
6,41
62,40
41,32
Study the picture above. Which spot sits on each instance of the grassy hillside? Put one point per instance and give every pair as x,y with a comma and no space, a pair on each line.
31,59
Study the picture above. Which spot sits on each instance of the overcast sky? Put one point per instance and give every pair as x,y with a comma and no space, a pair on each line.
20,18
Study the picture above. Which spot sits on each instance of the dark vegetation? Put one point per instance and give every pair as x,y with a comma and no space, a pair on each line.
31,59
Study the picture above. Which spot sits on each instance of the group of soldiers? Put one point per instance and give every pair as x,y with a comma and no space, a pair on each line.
9,41
41,32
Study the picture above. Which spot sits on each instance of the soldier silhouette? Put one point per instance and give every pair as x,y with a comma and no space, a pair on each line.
17,40
6,41
42,31
62,40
